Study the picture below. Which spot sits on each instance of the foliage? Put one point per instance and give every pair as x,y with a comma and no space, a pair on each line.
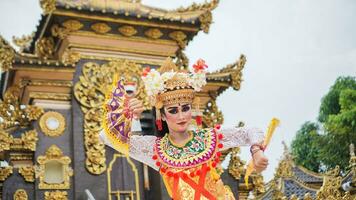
305,146
317,150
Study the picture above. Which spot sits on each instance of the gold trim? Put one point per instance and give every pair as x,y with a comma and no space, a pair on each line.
127,30
119,37
50,96
101,28
5,141
46,69
143,52
54,153
56,195
143,62
134,169
48,6
20,194
45,48
72,25
129,22
5,172
153,33
28,173
7,55
61,124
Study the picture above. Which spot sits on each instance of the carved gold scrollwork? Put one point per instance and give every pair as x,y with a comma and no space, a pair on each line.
235,69
153,33
5,140
52,124
29,139
182,59
66,28
23,42
127,31
285,167
331,184
179,37
54,156
236,165
212,115
48,6
45,48
70,57
90,92
205,21
20,194
101,28
56,195
7,55
5,172
28,173
12,113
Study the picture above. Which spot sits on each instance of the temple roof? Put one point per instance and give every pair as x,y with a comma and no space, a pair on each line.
189,14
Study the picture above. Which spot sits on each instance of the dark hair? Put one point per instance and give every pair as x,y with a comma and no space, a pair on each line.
165,129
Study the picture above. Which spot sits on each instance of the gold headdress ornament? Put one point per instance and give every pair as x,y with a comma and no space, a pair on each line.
169,86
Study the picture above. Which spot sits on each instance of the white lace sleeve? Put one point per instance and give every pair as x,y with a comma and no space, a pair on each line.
140,148
240,136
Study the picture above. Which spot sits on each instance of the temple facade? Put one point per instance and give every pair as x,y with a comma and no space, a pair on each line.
53,90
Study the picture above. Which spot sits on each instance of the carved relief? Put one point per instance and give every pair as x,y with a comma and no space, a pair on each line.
48,6
52,124
127,31
13,113
101,28
28,173
23,42
212,115
29,139
236,165
70,57
153,33
90,93
56,195
20,194
179,37
5,140
54,171
45,48
7,55
5,172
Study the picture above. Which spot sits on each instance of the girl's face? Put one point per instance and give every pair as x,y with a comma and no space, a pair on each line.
178,117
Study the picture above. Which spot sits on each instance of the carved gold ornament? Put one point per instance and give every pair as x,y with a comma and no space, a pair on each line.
20,194
5,140
285,166
205,21
45,47
7,55
29,139
212,115
127,31
23,42
72,25
13,113
56,195
48,6
5,172
70,57
52,124
28,173
153,33
236,165
54,171
179,37
101,28
90,93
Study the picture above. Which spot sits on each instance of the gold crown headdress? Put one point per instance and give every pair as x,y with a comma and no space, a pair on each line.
170,86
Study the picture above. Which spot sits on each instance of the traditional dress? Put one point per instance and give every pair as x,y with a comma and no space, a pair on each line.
189,171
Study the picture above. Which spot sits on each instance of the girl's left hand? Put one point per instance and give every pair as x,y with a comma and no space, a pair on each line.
260,161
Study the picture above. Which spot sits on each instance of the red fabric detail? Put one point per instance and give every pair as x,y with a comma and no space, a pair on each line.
220,145
159,124
199,120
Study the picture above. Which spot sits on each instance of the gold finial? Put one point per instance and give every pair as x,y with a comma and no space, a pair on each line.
168,65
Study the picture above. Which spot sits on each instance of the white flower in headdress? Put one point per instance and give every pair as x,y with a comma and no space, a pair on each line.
153,82
197,80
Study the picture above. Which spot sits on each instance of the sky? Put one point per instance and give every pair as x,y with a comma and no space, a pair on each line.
295,51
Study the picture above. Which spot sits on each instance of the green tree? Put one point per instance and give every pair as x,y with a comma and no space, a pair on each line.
337,116
340,132
305,146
